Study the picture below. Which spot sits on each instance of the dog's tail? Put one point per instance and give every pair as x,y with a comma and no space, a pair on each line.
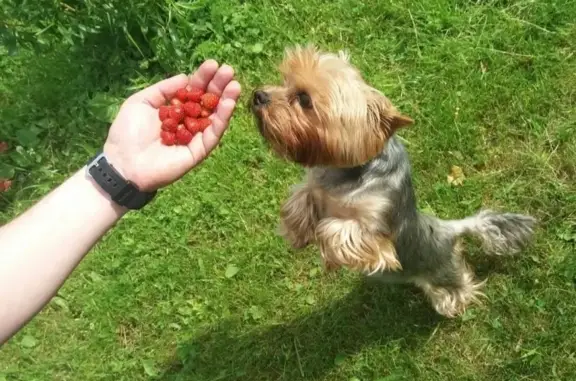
500,233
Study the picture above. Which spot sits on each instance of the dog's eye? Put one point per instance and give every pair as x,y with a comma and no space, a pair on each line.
304,99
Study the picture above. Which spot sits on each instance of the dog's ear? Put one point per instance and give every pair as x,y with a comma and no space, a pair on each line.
397,120
345,243
385,114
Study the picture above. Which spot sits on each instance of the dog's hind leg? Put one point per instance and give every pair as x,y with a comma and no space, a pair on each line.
452,288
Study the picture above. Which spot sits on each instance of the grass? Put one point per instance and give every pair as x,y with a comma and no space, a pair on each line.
198,287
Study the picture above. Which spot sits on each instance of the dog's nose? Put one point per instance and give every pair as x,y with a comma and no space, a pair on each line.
261,98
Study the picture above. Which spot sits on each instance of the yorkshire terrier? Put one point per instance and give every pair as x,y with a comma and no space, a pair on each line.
357,203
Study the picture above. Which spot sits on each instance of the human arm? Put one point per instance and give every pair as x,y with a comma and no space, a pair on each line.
40,248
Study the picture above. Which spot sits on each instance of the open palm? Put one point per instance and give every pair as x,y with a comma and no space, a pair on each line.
133,145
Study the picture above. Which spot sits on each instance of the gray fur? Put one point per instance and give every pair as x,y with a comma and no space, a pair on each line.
424,244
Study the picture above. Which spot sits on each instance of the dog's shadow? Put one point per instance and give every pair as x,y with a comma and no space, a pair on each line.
310,346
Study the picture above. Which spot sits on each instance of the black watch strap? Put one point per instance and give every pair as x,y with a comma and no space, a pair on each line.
121,191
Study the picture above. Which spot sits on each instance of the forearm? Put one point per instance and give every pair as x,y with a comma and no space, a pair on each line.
42,247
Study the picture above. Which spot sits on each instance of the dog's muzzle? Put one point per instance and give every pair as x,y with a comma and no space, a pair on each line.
260,99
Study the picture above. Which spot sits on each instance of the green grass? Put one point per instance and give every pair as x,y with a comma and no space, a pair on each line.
492,86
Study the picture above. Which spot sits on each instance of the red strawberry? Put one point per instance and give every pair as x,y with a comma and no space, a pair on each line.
192,109
203,123
195,95
168,138
210,101
192,125
177,113
182,95
5,185
183,136
205,113
169,125
3,147
163,112
175,101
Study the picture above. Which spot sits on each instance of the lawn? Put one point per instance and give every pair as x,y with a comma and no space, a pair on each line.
198,286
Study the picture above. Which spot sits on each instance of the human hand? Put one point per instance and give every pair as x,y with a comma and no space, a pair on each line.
133,145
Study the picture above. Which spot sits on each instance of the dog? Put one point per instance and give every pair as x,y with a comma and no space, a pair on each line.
357,202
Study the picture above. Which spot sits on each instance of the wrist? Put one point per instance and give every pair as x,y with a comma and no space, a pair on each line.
97,195
116,160
112,182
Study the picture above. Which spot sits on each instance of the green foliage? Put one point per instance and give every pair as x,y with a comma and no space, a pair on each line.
197,286
174,34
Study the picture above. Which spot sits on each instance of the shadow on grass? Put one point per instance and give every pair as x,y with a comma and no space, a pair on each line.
308,347
47,104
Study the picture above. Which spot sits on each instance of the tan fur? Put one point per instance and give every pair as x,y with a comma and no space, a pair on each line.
347,229
325,117
348,125
339,130
299,218
347,243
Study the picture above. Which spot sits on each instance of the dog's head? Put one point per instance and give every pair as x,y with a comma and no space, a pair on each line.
324,114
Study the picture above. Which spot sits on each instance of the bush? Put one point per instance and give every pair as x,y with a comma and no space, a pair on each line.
175,35
72,62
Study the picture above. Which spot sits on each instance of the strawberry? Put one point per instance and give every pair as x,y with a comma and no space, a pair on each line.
182,95
175,101
5,185
3,147
195,95
183,136
163,112
205,113
210,101
192,109
169,125
168,138
177,113
203,123
192,125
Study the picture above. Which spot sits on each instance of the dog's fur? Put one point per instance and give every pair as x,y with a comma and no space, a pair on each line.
357,202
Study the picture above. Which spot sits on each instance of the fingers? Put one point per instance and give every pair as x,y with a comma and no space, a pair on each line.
221,79
204,143
159,93
202,77
225,108
208,76
211,136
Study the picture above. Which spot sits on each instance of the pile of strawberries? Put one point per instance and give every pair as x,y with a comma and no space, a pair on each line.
186,115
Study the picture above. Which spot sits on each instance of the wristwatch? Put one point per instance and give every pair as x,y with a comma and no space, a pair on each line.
121,191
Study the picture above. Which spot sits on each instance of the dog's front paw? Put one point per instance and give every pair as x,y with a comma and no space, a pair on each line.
295,241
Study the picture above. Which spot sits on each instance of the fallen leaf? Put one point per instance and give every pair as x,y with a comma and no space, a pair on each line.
231,270
456,176
391,377
60,302
149,368
256,313
339,359
28,342
257,48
